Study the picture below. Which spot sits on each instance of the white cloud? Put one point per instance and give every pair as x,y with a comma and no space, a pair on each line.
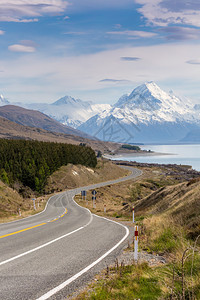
134,33
165,12
2,32
21,48
29,10
164,64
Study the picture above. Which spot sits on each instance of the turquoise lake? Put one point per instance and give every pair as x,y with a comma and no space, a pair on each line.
178,154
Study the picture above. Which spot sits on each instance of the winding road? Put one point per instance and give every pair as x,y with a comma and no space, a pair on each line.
52,254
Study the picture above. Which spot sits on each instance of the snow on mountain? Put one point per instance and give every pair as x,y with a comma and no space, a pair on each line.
68,111
148,103
147,115
3,101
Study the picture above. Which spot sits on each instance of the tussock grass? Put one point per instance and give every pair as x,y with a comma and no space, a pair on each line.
180,202
159,234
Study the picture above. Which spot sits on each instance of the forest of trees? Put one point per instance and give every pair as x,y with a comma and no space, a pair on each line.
31,162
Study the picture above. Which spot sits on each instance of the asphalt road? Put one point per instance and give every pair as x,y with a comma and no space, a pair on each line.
52,254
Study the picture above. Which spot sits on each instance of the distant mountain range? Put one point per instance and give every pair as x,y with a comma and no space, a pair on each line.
68,111
33,118
147,115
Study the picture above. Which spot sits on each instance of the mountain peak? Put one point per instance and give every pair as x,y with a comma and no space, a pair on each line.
148,87
3,101
66,100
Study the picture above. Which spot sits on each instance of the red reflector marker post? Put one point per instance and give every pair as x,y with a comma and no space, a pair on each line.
136,244
133,215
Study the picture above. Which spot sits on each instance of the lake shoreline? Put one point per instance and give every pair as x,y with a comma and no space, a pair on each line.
163,154
135,154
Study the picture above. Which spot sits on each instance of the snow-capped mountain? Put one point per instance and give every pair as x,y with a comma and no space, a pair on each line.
147,115
69,111
3,101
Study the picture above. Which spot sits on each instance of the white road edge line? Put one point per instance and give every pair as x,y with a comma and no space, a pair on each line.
67,282
39,247
71,279
48,243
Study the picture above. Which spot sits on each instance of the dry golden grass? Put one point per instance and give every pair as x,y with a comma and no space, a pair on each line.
66,177
72,176
11,202
120,198
181,202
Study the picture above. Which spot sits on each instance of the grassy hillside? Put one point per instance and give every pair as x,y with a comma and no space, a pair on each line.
70,176
10,201
180,202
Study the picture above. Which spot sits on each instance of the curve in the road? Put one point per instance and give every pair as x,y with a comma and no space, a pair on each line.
95,238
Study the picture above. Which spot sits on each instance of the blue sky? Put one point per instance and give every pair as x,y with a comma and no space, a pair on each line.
98,50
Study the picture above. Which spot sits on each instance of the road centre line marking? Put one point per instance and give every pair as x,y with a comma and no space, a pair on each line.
22,230
25,229
34,214
46,244
38,225
67,282
71,190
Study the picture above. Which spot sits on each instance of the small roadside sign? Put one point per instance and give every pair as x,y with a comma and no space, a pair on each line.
34,203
